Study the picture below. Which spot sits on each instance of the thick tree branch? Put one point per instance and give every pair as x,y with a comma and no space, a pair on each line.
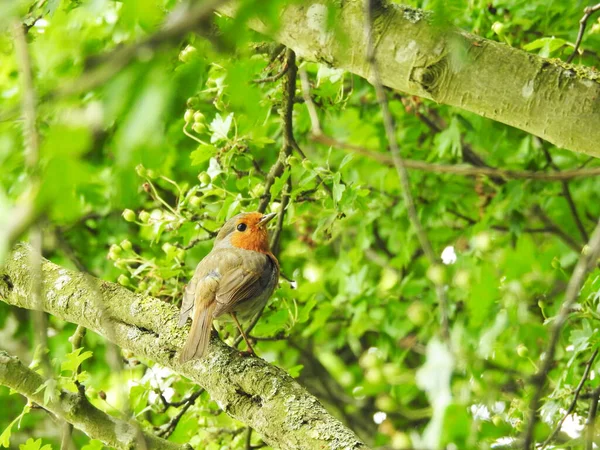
77,410
247,388
449,66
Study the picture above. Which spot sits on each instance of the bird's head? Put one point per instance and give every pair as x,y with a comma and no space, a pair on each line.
247,231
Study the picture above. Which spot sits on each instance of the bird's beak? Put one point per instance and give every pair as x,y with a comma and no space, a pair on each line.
264,220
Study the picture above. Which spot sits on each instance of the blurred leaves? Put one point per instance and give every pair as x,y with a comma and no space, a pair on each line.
138,174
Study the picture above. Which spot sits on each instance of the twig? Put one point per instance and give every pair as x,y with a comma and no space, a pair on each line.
401,167
285,200
310,105
568,197
571,407
275,77
287,111
76,342
567,239
590,423
170,427
587,12
588,257
249,439
456,169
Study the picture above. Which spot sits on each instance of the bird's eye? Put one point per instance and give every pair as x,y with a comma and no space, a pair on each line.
241,227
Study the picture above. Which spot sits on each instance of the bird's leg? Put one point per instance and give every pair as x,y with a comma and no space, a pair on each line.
237,323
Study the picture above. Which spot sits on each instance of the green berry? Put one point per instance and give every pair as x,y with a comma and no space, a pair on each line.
198,117
188,116
204,178
126,245
129,215
144,217
123,280
199,127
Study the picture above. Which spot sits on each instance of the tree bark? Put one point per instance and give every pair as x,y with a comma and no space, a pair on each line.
249,389
546,97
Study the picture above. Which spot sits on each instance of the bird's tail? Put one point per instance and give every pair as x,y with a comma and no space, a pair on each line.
199,337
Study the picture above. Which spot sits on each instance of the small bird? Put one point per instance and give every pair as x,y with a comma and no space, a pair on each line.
236,278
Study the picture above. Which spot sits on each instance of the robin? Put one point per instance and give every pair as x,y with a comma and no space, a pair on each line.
236,278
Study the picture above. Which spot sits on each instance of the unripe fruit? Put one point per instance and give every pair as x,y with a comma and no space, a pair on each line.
199,127
126,245
374,376
144,216
123,280
198,117
436,274
498,28
140,170
129,215
369,360
188,116
417,313
115,249
204,178
522,351
195,201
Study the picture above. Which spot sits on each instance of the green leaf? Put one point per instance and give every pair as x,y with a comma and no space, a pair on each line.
202,154
74,359
34,445
338,188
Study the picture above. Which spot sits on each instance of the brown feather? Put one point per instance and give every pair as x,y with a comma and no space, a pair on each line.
199,337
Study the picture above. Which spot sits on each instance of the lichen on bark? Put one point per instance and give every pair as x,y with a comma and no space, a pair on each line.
249,389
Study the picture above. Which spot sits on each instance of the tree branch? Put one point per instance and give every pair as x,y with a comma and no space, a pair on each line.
400,167
77,410
447,65
460,169
249,389
588,257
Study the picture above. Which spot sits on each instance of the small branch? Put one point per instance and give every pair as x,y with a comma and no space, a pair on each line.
568,196
590,432
571,407
587,12
400,166
285,200
310,105
456,169
287,111
77,410
567,239
172,424
587,259
275,77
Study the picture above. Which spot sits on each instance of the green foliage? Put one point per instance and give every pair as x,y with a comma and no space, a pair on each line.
138,173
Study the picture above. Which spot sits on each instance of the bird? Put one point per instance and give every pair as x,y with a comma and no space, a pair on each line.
235,279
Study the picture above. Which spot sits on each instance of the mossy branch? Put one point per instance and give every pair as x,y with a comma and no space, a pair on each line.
78,411
417,54
249,389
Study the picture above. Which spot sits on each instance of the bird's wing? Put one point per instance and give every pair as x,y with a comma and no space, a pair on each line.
204,283
245,281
